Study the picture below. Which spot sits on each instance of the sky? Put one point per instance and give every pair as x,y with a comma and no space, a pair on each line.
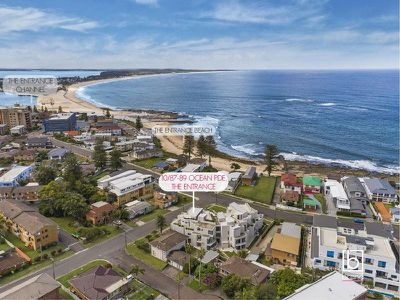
200,34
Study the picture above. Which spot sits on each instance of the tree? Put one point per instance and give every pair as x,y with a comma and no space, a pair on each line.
60,110
45,174
188,145
287,281
211,147
233,283
161,222
35,109
136,270
107,114
248,293
99,155
189,250
115,159
271,154
242,253
72,170
74,205
138,123
201,146
235,166
87,190
120,214
266,291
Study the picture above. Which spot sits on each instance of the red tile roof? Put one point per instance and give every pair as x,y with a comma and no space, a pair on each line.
290,179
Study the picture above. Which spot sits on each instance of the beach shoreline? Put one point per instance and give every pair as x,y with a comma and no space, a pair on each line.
69,101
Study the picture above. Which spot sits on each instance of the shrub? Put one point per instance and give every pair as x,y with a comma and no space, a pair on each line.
37,259
53,253
45,256
59,250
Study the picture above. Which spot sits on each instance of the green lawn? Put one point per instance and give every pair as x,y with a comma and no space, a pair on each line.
194,284
151,216
147,258
70,225
147,163
32,268
64,295
64,279
142,291
182,200
321,200
216,208
262,192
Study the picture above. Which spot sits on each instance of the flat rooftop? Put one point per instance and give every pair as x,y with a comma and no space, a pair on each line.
13,173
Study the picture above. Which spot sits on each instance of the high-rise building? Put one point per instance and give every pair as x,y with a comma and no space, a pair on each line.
15,116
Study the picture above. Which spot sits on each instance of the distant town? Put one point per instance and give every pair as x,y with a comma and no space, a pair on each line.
83,217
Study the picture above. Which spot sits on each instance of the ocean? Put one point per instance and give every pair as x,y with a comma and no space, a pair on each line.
349,118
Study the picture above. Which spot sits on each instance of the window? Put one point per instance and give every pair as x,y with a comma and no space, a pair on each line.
368,271
368,261
330,263
330,253
382,264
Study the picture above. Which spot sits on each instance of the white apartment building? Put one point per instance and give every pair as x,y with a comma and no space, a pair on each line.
334,191
14,175
329,241
233,230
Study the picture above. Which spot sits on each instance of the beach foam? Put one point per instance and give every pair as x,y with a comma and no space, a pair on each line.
299,100
327,104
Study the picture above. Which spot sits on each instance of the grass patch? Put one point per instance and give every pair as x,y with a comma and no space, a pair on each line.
32,268
151,216
147,258
71,226
64,295
64,279
321,200
197,286
142,291
183,200
216,208
148,163
262,192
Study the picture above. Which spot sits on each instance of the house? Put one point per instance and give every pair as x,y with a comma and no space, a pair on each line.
28,225
42,287
249,176
162,165
331,238
244,269
285,246
38,143
25,155
310,205
234,181
191,168
100,283
128,186
164,199
395,212
60,122
100,213
10,260
289,183
170,241
178,259
88,168
354,188
233,230
198,161
16,174
334,191
311,184
290,197
18,130
57,154
383,213
137,208
379,190
172,161
331,286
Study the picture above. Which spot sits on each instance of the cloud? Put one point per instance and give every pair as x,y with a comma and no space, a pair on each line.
147,2
16,19
235,11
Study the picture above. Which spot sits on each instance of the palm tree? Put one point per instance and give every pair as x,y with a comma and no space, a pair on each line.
161,222
136,270
202,252
189,250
